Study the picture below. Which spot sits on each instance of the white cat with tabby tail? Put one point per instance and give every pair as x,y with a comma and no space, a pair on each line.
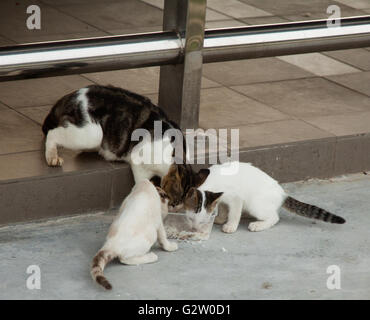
136,228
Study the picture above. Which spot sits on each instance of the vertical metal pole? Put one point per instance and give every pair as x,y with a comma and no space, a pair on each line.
179,85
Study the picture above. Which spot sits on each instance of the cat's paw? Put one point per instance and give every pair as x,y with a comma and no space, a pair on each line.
170,246
54,161
229,228
257,226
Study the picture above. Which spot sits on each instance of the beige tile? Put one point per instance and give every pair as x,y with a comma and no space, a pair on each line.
37,114
31,38
153,97
3,107
143,81
239,72
5,42
307,97
344,124
223,108
18,133
264,20
289,7
358,82
317,15
32,164
117,15
357,4
236,9
135,29
65,2
277,132
224,24
39,92
207,83
202,144
13,21
306,16
359,58
212,15
319,64
155,3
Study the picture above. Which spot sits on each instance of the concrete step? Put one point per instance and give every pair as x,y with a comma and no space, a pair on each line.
30,190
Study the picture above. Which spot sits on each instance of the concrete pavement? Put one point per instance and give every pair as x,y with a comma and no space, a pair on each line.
289,261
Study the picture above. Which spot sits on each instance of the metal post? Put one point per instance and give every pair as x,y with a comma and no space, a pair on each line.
179,85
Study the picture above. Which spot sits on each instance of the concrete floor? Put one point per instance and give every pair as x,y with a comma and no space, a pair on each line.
288,261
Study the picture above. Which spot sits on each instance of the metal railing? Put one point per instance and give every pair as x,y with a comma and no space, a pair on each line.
181,51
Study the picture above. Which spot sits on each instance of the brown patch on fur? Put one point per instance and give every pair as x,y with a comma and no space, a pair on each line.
180,179
211,200
162,194
191,200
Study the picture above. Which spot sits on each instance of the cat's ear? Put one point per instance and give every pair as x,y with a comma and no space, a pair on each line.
163,195
156,181
212,200
201,176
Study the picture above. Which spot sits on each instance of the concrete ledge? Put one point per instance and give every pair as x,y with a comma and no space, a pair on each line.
102,186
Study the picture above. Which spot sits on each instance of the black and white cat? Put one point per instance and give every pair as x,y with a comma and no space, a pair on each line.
103,118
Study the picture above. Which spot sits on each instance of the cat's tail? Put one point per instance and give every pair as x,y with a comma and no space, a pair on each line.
311,211
99,262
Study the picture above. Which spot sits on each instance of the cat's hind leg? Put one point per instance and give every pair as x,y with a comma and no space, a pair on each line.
264,224
146,258
266,211
89,136
235,205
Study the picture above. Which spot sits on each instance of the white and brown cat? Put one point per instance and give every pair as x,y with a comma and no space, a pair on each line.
134,231
246,189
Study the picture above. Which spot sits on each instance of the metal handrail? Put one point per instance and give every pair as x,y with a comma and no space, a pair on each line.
163,48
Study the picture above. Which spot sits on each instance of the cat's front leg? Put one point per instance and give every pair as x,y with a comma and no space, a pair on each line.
163,241
51,150
221,217
235,211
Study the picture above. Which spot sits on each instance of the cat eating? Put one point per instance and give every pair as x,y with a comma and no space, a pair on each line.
138,225
197,222
249,189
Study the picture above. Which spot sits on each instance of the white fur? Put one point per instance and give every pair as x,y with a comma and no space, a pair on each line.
249,189
90,136
72,137
138,226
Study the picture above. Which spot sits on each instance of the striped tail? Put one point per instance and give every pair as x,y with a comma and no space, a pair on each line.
99,262
310,211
